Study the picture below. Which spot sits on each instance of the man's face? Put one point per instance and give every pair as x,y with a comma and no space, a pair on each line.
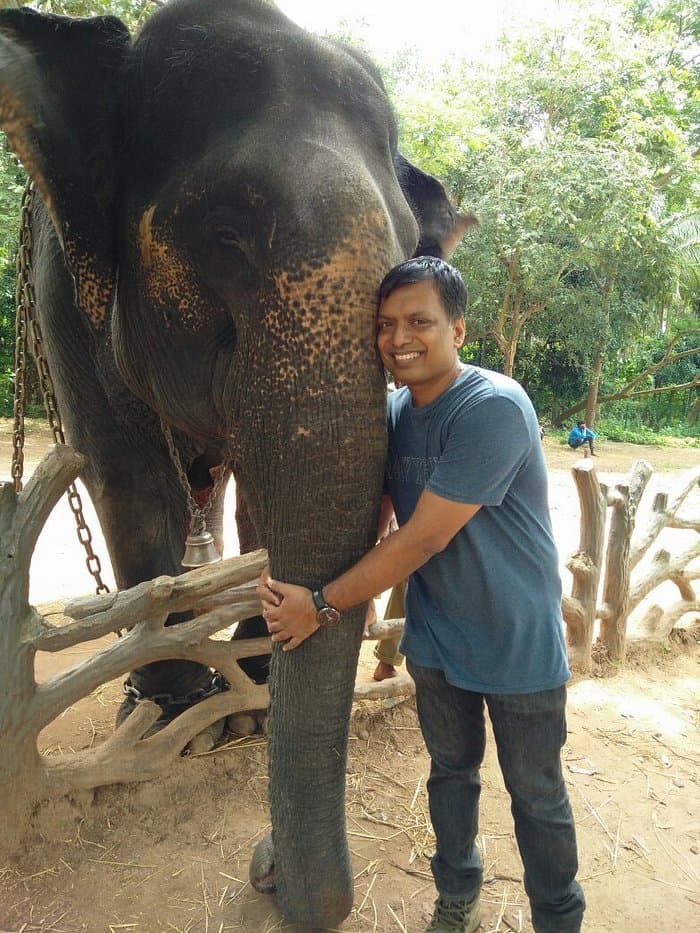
417,342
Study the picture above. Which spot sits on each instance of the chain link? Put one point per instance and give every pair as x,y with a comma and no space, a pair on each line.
197,515
28,328
21,298
217,684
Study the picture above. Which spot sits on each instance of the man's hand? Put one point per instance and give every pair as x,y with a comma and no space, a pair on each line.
288,610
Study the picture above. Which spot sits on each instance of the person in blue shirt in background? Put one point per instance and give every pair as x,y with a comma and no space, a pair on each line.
581,434
467,480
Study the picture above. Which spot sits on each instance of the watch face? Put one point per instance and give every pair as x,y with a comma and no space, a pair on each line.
328,616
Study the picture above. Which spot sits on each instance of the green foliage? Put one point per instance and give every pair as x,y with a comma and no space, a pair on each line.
575,150
12,182
623,422
626,422
682,233
132,12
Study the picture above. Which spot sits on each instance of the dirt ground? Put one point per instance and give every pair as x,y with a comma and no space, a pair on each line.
172,854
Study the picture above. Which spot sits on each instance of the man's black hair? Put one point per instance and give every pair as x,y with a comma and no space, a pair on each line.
579,423
447,281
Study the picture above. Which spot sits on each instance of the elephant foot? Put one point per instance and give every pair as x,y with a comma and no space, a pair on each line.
205,740
250,723
171,707
262,867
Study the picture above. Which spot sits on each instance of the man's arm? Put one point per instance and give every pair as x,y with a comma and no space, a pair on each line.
289,610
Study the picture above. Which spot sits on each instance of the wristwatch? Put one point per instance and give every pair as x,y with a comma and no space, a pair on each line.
325,614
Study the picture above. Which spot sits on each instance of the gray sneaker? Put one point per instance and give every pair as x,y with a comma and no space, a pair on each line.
455,916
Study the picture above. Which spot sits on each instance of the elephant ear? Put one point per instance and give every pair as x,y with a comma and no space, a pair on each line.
441,226
59,80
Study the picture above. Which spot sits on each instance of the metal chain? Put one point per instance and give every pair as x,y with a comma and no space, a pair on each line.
217,684
28,325
19,404
197,516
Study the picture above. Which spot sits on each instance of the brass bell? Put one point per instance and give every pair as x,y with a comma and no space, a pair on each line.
200,550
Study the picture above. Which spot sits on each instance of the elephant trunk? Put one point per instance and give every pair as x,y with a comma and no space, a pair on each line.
310,700
317,495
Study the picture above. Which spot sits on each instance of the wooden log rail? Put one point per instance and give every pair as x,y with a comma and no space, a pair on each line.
222,594
625,581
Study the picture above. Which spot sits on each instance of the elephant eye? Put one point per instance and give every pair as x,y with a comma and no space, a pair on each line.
227,236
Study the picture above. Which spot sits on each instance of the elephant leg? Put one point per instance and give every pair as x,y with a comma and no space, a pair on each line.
248,536
258,666
174,685
178,684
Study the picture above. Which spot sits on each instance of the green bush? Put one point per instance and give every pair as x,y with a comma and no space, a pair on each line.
636,423
7,384
615,429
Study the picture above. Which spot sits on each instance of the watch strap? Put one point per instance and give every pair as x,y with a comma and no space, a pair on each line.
319,600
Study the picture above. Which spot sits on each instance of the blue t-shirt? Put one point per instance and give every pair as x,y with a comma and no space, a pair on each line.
487,609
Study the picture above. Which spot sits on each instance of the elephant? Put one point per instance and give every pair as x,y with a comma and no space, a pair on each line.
218,200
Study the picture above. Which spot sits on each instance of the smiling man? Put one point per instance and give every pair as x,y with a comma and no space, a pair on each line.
467,480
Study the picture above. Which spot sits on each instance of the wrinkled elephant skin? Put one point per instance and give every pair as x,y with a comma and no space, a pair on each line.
220,198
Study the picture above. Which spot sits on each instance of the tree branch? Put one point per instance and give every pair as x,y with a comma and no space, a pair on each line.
658,390
44,489
147,641
98,615
125,756
664,567
658,624
662,516
384,628
625,392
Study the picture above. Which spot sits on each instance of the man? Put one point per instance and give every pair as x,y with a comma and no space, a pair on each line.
581,434
467,480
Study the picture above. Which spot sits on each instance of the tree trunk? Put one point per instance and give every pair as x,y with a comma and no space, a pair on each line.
20,764
593,387
616,590
585,565
509,357
511,346
21,519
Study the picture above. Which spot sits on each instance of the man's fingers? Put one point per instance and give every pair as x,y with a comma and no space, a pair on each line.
290,641
267,595
268,590
276,590
271,614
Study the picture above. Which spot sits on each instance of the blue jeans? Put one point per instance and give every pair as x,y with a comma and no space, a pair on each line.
530,730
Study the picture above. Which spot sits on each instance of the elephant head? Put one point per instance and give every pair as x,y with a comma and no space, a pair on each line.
227,194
